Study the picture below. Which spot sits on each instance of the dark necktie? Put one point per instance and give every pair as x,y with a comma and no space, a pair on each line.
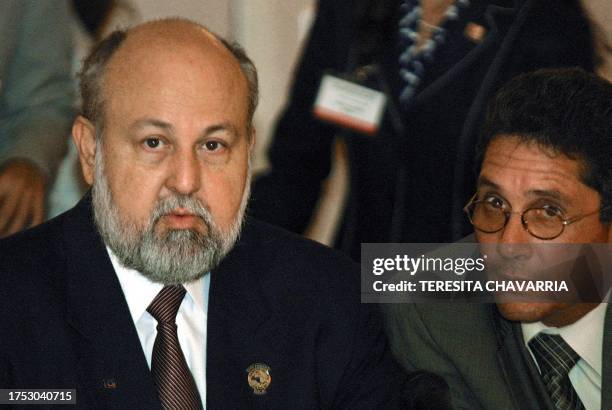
175,385
556,358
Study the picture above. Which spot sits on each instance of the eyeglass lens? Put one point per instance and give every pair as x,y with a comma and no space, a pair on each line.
540,222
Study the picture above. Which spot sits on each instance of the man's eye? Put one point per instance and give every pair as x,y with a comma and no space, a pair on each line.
213,145
552,211
153,143
494,202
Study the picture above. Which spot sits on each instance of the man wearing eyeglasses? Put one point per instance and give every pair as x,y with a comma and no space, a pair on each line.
546,178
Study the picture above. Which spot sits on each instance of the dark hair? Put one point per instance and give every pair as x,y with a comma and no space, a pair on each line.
92,77
93,13
566,110
94,66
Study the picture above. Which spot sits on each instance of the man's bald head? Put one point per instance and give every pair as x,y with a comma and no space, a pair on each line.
168,151
118,51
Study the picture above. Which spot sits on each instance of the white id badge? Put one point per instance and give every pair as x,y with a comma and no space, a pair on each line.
349,105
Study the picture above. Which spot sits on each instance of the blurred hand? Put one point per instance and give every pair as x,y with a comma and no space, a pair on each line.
22,196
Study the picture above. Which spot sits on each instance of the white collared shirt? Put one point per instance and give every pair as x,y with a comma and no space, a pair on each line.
191,318
585,336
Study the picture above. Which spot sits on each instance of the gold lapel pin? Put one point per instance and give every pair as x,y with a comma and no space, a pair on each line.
475,32
109,384
259,377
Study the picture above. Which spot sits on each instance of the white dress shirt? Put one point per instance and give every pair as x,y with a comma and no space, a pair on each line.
191,318
585,336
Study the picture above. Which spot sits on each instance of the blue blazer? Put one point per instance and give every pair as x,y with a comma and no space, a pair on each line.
275,299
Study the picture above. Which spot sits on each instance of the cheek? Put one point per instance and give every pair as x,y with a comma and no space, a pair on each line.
223,193
590,232
487,239
135,190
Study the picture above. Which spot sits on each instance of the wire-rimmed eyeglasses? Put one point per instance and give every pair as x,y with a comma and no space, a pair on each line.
491,215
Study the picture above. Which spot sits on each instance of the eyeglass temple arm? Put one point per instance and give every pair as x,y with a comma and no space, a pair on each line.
579,217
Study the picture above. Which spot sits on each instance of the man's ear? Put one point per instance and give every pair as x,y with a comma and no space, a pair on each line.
84,136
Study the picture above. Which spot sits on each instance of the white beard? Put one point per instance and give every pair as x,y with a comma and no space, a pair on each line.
174,257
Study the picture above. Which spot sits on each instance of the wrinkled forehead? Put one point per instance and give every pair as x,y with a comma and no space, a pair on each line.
511,153
526,169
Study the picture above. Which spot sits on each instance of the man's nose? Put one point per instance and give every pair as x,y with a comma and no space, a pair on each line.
185,173
515,240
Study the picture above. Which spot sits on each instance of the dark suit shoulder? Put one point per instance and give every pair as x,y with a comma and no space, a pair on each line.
443,324
32,253
289,264
457,341
279,246
32,268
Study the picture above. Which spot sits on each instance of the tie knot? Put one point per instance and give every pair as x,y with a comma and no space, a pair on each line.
553,354
166,304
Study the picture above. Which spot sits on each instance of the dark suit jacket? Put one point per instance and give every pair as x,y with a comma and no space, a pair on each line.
481,356
409,182
276,299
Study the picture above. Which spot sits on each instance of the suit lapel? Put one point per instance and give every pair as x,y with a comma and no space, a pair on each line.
112,365
521,374
238,316
499,19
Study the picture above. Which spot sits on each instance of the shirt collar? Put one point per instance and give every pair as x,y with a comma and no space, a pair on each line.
585,336
139,291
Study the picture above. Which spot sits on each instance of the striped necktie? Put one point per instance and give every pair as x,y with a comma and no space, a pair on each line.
556,358
175,385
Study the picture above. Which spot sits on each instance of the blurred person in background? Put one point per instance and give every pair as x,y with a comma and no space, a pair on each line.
36,97
599,13
436,63
91,20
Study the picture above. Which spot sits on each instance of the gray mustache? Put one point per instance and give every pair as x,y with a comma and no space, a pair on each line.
191,204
